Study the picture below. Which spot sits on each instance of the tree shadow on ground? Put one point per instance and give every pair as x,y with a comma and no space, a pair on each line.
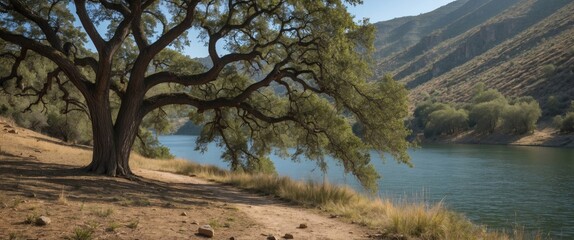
27,177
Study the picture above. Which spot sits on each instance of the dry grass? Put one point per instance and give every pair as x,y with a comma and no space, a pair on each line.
395,220
62,198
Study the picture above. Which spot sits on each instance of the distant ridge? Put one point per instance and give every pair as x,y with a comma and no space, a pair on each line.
520,47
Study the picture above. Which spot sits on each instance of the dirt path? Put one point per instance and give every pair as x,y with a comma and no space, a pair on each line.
274,217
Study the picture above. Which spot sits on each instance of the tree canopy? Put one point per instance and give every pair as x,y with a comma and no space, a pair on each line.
293,74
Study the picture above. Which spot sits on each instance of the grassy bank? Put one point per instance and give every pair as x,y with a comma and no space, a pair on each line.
402,220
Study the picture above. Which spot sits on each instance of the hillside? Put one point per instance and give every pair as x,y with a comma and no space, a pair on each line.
520,47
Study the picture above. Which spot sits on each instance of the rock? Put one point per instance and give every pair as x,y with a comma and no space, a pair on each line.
43,220
303,225
183,214
271,237
288,236
333,216
31,195
232,238
206,230
13,131
195,223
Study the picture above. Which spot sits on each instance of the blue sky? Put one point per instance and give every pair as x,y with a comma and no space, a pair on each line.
381,10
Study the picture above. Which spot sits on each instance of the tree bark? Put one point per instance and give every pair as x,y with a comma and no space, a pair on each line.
109,155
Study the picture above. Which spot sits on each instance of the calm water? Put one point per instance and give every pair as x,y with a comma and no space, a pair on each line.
499,186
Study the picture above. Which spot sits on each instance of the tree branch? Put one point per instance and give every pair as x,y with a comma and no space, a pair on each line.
54,55
48,31
96,38
198,79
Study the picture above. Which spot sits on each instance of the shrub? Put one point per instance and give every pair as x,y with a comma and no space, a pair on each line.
446,121
486,116
557,121
65,127
521,117
488,96
423,111
548,69
568,123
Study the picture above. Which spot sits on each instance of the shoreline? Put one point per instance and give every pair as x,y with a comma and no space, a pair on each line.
546,137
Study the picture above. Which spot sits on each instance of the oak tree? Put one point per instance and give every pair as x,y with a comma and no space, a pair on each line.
284,75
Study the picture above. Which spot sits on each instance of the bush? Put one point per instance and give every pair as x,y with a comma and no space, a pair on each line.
486,116
488,96
423,111
63,127
557,121
568,123
446,121
521,117
548,69
553,105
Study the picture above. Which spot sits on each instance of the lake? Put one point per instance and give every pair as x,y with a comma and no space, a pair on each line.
499,186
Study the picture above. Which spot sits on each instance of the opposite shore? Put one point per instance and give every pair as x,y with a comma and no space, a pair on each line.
544,137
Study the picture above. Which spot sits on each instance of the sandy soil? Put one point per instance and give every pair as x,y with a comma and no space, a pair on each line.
40,176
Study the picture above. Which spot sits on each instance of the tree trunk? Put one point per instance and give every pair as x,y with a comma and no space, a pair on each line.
110,155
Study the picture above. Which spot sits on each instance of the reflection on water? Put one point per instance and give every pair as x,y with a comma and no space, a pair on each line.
499,186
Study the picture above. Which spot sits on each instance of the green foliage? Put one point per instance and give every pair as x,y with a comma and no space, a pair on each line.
83,233
553,105
69,127
446,121
568,123
486,115
487,96
557,121
521,117
548,69
149,146
422,112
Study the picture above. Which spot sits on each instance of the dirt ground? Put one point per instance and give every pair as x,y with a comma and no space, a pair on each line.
41,176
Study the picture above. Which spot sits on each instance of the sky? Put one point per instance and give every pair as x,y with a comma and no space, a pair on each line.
381,10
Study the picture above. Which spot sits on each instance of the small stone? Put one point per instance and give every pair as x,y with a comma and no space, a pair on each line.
206,230
232,238
43,220
31,195
195,223
13,131
288,236
271,237
183,214
303,225
333,216
184,221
